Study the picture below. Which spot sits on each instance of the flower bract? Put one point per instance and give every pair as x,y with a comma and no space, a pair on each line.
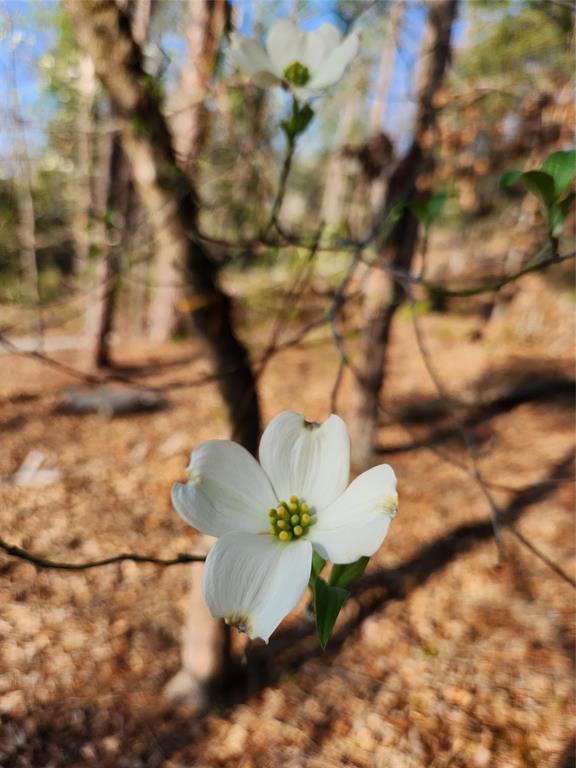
270,516
305,62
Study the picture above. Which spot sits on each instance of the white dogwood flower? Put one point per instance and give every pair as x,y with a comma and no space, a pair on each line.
305,62
269,517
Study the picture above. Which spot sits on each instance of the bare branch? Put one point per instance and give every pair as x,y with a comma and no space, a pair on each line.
498,283
42,562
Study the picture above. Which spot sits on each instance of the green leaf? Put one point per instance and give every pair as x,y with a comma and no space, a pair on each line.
299,120
328,602
318,564
342,575
562,167
303,117
435,205
428,210
509,178
541,184
559,213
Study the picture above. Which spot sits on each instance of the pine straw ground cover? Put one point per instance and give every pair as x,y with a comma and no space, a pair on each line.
441,658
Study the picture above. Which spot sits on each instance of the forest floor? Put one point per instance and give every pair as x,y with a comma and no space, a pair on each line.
441,658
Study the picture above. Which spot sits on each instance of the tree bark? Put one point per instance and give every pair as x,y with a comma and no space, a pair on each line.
169,197
400,246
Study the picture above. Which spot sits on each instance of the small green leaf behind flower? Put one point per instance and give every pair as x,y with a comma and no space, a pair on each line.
329,598
318,564
328,602
299,120
343,575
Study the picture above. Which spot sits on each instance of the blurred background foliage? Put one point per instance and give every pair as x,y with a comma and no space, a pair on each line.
507,101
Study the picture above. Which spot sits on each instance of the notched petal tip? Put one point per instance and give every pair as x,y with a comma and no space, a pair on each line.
309,460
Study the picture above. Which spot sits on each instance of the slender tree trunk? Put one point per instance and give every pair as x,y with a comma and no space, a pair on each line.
386,70
336,180
27,239
189,126
85,151
112,205
400,247
385,79
169,197
189,121
26,228
112,210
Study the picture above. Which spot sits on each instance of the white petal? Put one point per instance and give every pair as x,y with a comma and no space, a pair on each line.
318,45
356,524
304,460
285,44
333,67
227,491
255,581
248,55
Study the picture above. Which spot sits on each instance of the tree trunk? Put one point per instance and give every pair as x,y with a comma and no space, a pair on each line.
400,246
169,197
386,69
26,228
113,201
113,212
83,182
189,121
336,181
189,126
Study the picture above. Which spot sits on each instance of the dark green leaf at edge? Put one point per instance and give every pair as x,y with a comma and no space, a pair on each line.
562,167
559,213
509,178
328,602
541,184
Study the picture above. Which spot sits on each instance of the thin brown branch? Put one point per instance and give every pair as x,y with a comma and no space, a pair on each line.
42,562
543,557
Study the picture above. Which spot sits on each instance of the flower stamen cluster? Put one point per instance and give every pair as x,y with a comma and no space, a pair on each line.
297,74
290,520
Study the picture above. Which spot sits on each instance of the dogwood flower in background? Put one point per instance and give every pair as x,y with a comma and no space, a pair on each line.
305,62
271,516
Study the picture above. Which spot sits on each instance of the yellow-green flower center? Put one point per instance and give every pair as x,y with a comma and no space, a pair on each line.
297,74
290,519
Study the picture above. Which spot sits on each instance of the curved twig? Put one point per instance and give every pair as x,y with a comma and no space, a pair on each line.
42,562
